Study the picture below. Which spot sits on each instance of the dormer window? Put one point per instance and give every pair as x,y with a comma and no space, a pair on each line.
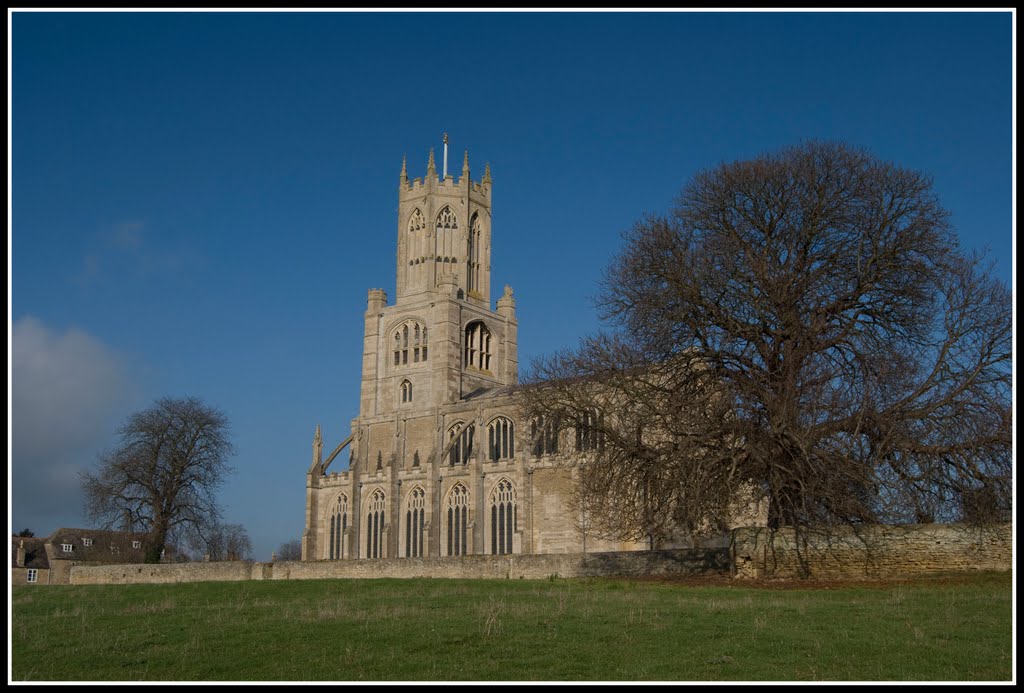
136,544
67,548
86,541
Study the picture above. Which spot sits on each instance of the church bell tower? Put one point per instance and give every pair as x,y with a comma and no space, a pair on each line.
440,340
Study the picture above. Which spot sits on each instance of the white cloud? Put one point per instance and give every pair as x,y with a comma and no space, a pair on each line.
67,391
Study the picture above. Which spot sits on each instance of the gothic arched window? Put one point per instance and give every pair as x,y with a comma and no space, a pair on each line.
406,391
501,433
544,434
339,523
463,447
444,233
478,346
589,432
375,525
474,254
414,515
409,336
458,520
504,517
417,224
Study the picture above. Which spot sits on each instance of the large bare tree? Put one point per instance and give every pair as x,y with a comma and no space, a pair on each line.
803,326
163,475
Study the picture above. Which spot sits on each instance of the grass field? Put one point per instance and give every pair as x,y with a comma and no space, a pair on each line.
957,628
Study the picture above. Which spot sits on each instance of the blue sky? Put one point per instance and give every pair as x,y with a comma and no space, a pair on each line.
200,201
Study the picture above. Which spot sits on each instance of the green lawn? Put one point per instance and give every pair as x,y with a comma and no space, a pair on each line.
956,629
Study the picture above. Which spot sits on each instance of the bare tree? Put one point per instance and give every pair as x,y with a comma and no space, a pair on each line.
163,475
290,550
803,327
222,542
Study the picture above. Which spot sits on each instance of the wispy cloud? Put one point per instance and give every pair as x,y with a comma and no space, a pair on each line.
67,390
131,248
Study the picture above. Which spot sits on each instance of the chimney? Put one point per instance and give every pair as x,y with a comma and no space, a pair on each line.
20,560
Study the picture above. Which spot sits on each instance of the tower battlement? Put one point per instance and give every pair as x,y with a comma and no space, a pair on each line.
444,234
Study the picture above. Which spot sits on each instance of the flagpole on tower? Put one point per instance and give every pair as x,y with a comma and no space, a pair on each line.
444,170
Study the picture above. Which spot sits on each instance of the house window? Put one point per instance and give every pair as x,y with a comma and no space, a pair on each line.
67,548
33,575
86,542
136,544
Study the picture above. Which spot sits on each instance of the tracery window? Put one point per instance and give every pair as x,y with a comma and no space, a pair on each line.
406,391
589,433
444,234
462,450
544,434
458,520
504,517
375,525
473,254
417,223
478,346
414,516
339,523
409,339
501,434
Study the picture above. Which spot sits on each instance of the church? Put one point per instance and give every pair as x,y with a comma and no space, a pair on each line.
439,461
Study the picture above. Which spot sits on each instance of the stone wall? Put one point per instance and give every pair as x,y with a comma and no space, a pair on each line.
875,551
165,572
867,552
610,564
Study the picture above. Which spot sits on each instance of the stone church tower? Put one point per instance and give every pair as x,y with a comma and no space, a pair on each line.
438,464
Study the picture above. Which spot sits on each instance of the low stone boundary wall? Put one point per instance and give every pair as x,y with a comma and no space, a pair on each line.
754,552
165,572
611,564
873,551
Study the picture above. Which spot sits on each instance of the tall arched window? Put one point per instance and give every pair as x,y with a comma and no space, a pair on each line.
414,515
473,255
444,234
458,520
544,435
375,525
410,336
478,346
589,433
504,516
406,391
417,237
339,523
463,447
501,433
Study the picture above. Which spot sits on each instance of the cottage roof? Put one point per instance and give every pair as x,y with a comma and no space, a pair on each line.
35,552
97,545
